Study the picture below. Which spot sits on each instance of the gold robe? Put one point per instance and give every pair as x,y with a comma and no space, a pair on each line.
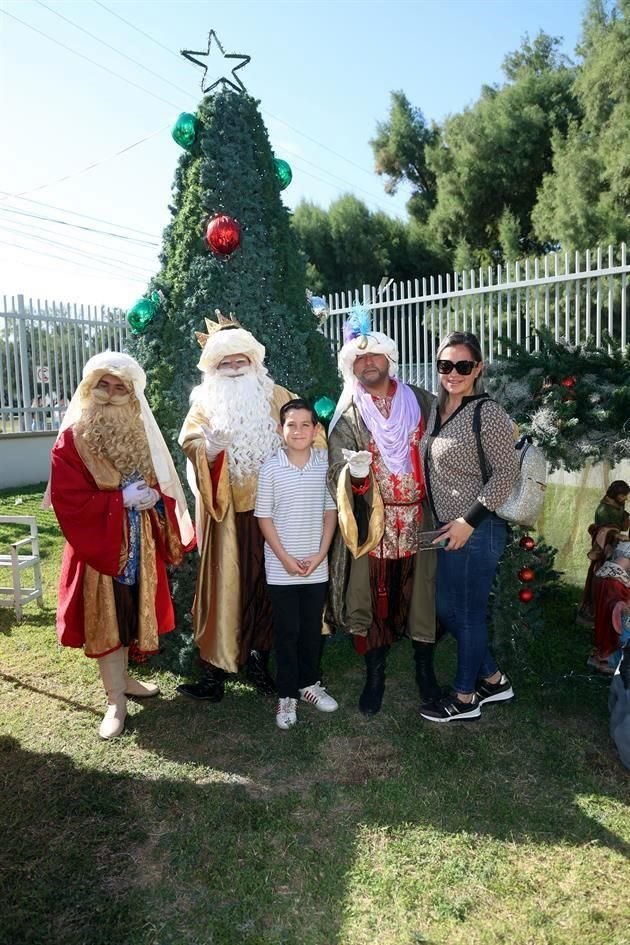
217,606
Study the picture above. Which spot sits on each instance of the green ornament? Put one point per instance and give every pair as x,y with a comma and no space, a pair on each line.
324,408
284,174
185,130
143,312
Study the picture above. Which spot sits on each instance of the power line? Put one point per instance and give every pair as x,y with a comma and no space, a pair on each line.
74,52
319,143
330,183
77,226
91,167
78,241
350,184
97,39
84,216
275,117
115,265
72,262
136,28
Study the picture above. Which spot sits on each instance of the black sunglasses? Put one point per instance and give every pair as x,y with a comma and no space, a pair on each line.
462,367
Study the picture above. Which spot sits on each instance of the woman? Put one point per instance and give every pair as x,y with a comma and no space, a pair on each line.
611,593
612,509
610,520
464,503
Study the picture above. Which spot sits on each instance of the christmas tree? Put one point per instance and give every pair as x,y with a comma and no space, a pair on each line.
228,247
525,580
574,400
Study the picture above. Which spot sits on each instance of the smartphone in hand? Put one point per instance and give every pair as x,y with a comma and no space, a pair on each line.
427,539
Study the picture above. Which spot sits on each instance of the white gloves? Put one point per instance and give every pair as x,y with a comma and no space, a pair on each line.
138,495
216,441
358,462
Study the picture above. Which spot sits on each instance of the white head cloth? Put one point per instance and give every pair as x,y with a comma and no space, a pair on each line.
125,367
229,341
375,342
622,550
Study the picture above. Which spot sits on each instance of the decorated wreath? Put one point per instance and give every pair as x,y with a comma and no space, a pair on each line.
573,399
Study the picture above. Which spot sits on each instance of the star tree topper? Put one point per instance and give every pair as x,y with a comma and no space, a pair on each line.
234,82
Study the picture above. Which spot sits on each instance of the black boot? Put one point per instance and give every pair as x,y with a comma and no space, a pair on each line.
257,673
372,696
425,676
211,686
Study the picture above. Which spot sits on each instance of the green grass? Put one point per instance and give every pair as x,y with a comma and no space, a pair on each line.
205,825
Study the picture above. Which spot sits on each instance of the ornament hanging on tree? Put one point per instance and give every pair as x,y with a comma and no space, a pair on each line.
568,382
223,234
184,130
526,575
526,595
318,306
143,312
527,543
324,408
284,174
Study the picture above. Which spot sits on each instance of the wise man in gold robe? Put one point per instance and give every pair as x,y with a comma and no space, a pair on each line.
229,432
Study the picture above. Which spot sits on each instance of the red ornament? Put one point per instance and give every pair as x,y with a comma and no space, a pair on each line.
527,543
223,234
526,575
569,381
526,595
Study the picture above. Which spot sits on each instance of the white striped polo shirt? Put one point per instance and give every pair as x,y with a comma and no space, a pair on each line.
295,500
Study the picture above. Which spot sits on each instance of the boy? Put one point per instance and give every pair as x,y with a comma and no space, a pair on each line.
297,517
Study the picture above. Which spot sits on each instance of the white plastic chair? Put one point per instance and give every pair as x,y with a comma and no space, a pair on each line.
16,595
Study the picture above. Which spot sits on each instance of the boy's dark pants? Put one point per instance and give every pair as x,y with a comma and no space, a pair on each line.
297,620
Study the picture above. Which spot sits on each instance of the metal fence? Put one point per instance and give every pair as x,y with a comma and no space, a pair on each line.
43,348
575,295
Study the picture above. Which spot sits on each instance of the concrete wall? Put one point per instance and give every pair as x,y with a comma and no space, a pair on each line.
25,458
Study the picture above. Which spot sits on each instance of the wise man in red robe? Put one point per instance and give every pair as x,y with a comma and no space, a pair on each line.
121,508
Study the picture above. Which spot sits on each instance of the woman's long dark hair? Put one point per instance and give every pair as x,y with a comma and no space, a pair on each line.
472,343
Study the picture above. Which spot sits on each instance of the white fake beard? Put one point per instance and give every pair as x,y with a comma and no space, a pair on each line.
241,404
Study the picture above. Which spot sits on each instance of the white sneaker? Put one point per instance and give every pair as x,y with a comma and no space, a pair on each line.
316,695
286,714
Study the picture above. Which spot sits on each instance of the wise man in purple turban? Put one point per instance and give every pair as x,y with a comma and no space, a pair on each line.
382,578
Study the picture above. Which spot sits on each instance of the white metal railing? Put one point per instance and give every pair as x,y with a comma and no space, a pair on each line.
575,295
43,348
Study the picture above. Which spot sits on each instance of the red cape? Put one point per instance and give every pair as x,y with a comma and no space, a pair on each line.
93,523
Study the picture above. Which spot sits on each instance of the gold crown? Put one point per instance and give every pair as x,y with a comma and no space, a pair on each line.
222,322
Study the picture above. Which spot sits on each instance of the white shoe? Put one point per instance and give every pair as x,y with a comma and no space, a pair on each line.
286,714
316,695
114,720
133,687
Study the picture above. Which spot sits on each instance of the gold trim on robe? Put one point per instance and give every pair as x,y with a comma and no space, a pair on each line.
217,606
346,517
100,621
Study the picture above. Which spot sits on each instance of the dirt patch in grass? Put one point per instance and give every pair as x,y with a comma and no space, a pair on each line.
357,760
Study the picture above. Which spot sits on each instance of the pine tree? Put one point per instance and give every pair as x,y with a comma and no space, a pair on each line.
573,399
229,169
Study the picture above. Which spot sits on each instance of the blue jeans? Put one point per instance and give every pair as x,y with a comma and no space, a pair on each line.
463,584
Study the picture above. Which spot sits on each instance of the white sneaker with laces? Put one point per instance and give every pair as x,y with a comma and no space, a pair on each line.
286,714
316,695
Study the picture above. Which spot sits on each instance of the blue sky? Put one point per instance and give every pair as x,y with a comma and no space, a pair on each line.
323,72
